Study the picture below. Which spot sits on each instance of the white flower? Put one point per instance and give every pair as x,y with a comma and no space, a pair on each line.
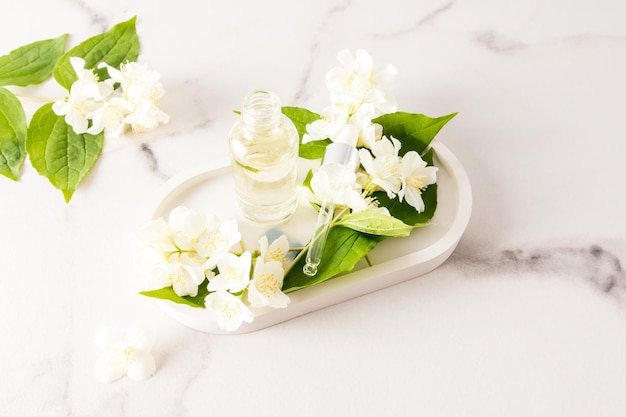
337,184
369,135
229,310
339,125
234,273
110,116
86,96
359,93
186,226
141,87
276,251
182,230
182,274
145,116
217,240
334,119
385,167
265,287
357,82
124,355
137,81
416,177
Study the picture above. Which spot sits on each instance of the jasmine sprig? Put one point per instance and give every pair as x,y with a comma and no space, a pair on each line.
190,260
107,91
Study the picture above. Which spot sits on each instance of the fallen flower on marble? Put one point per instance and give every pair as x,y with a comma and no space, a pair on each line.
124,354
108,92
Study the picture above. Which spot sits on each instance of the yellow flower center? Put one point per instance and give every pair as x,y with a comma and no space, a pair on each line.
277,255
124,357
232,273
214,241
267,284
388,166
176,277
227,310
417,182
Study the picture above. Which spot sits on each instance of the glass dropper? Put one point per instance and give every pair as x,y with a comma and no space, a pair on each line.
340,154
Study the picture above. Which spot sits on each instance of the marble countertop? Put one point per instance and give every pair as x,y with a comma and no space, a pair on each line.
527,317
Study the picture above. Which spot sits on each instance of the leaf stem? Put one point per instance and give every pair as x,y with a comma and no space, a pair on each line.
296,259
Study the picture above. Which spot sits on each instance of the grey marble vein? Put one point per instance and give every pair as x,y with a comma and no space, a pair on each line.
96,18
594,264
430,17
498,43
326,19
152,160
427,19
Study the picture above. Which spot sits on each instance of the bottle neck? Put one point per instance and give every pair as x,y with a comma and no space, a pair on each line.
261,113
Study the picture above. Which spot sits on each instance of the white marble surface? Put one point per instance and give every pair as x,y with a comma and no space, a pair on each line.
528,316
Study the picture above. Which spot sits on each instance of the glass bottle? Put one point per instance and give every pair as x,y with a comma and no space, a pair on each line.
263,147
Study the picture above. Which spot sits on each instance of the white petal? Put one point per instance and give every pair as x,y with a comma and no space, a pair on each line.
142,368
263,245
366,160
279,300
414,199
61,108
277,251
234,273
177,218
345,58
185,287
107,371
77,121
230,229
196,273
336,80
78,64
195,224
229,311
256,299
269,276
363,61
384,76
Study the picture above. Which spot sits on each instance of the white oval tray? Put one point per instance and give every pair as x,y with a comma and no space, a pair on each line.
394,260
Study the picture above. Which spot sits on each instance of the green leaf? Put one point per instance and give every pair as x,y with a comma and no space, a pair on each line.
168,293
414,131
344,248
307,180
374,222
403,210
31,64
12,135
116,46
58,153
300,118
314,149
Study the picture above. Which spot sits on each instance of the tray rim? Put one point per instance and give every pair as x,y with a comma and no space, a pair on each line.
333,291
